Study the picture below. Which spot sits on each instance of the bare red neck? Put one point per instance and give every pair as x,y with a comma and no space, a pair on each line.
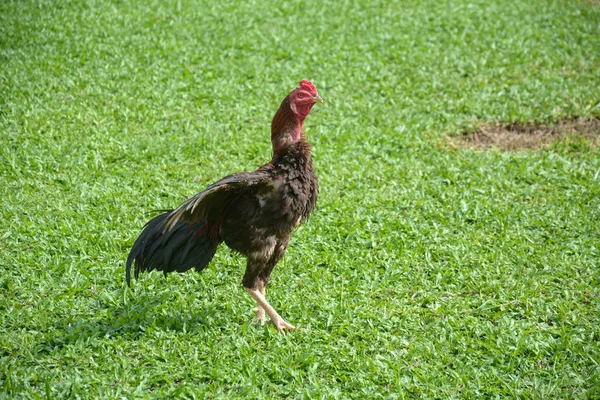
286,127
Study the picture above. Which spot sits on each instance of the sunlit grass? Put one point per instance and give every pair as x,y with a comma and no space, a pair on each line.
424,272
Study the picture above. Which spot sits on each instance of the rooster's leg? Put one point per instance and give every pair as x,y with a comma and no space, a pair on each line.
264,304
260,312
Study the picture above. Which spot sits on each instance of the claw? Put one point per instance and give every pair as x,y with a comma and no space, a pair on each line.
282,325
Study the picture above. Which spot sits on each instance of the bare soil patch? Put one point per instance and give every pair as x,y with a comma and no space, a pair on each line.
514,137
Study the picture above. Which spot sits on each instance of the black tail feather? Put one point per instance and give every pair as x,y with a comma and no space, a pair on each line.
181,248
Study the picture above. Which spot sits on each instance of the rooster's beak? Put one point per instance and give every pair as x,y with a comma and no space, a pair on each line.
317,99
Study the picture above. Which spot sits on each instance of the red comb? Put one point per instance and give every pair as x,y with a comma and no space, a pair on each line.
308,85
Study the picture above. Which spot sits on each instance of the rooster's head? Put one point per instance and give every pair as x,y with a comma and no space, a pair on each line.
303,98
286,127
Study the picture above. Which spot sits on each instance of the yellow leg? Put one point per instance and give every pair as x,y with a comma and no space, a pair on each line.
260,312
262,302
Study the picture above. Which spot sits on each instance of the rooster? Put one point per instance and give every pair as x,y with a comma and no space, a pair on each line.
254,213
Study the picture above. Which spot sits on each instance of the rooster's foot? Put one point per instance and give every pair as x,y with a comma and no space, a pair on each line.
282,325
260,316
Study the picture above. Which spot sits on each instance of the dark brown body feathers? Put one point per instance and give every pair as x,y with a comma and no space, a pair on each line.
253,213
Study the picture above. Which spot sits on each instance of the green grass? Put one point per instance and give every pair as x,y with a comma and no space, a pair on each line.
424,272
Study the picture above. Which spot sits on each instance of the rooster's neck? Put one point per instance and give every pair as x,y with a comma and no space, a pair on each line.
286,127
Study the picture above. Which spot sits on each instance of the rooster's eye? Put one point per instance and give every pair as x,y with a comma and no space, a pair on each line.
300,95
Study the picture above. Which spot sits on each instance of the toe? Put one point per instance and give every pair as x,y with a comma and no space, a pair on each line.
260,316
283,325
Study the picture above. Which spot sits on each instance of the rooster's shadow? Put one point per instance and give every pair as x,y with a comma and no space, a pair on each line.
131,321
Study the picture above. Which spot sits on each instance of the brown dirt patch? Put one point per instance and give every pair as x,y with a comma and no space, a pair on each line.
514,137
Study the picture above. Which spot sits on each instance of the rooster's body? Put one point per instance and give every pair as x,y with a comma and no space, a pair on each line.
254,213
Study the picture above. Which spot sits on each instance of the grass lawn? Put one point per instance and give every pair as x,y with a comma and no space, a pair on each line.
426,271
